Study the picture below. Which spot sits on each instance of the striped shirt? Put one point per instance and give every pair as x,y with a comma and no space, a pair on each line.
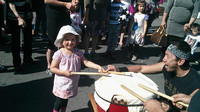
116,10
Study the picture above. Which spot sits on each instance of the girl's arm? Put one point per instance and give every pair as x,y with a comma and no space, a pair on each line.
55,69
145,29
68,5
90,64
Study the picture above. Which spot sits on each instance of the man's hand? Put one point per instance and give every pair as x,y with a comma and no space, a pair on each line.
112,68
153,106
181,97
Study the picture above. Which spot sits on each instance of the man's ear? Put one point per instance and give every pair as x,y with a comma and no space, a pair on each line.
181,62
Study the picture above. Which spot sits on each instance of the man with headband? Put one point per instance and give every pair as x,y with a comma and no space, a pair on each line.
179,76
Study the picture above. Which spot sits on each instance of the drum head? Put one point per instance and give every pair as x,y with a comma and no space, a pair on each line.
109,89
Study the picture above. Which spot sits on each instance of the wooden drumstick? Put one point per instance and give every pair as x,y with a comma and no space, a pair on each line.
161,94
94,105
119,73
134,94
89,73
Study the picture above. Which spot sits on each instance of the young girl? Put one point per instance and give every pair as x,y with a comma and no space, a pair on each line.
139,29
66,60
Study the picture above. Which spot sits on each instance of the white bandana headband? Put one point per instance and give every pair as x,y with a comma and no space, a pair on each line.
178,53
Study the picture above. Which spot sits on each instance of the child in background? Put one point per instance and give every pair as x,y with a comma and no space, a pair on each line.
131,9
116,10
66,60
138,31
75,16
193,39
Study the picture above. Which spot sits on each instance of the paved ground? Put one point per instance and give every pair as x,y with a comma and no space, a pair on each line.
31,92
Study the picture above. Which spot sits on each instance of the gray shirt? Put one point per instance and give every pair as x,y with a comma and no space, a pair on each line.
180,12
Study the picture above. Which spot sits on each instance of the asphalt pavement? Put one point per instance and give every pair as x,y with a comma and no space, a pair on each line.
32,91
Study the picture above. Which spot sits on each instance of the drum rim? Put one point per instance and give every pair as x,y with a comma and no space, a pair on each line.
117,103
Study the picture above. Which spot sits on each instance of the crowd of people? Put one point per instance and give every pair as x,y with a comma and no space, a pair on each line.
68,21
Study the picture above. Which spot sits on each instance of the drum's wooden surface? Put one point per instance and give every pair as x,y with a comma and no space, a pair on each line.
108,89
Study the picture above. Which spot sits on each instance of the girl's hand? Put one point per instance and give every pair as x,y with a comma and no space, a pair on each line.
21,22
100,69
143,35
67,73
112,68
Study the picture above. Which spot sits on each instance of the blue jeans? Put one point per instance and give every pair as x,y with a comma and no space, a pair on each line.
113,35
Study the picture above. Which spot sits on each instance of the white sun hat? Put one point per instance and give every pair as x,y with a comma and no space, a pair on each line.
64,30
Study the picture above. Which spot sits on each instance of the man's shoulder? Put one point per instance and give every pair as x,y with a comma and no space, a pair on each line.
193,73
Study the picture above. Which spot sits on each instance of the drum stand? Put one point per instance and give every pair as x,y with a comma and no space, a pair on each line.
92,100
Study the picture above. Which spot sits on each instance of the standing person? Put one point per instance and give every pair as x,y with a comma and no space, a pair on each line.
193,101
75,17
140,28
177,18
181,14
117,9
193,40
151,10
178,75
66,60
19,18
2,2
96,15
57,16
40,20
124,23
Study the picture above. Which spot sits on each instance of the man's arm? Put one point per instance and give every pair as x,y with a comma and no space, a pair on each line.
155,68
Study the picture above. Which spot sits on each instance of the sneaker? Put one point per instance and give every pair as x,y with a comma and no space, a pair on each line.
94,56
18,70
49,72
154,44
134,58
196,63
36,36
2,68
87,56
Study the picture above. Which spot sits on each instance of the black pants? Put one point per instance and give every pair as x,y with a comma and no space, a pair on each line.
27,46
60,103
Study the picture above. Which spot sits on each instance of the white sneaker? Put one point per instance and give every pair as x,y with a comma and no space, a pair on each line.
134,58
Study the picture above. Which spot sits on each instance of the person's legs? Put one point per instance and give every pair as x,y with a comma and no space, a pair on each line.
60,104
15,32
28,43
136,50
37,24
123,30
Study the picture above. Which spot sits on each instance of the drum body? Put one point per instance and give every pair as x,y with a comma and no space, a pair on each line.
110,97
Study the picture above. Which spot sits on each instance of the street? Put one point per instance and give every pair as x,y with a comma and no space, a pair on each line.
32,91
